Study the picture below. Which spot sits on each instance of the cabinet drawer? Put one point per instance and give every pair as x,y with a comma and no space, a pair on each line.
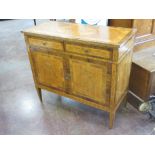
45,43
96,52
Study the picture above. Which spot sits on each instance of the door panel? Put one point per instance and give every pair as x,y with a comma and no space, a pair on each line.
88,80
49,69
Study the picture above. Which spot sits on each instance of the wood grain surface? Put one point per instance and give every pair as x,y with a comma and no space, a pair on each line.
81,33
94,71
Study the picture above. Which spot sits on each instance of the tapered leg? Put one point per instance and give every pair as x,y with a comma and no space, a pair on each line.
111,119
39,93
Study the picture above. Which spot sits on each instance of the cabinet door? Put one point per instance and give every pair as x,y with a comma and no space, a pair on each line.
49,69
89,80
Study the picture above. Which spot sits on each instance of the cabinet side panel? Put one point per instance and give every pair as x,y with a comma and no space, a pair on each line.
123,74
139,81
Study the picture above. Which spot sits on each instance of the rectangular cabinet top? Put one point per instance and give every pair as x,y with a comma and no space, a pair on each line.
145,59
103,35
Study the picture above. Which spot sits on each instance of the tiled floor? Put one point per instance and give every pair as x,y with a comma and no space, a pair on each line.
22,113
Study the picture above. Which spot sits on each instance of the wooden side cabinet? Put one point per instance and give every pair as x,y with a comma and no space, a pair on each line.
90,64
142,79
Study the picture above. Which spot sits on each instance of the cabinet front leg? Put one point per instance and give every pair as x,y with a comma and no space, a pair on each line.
39,93
111,119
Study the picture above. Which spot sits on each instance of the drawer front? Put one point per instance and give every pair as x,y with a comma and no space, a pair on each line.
38,42
96,52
